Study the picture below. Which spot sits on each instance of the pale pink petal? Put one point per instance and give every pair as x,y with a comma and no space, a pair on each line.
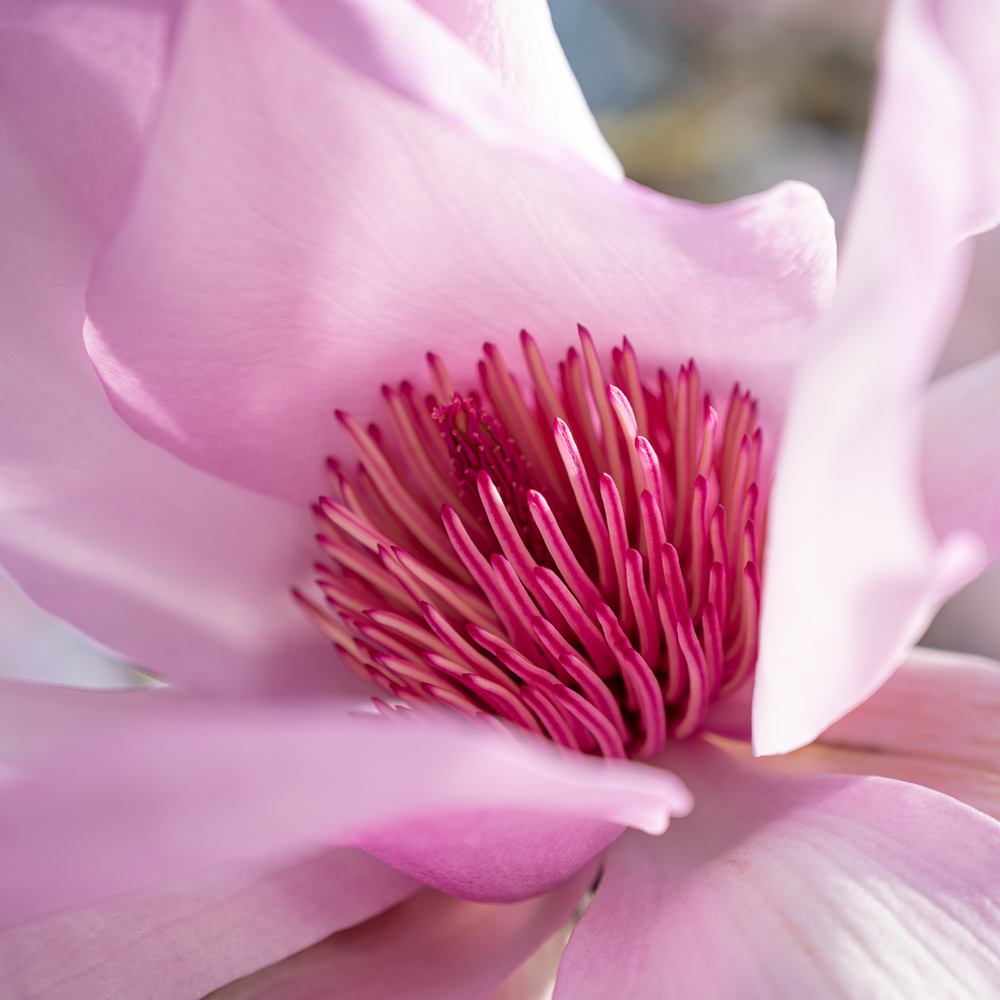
854,569
530,103
785,888
971,29
185,941
934,723
81,83
961,460
38,719
325,231
433,947
190,790
517,40
181,573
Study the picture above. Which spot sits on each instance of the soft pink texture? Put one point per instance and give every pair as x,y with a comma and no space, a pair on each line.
433,947
961,474
191,787
293,208
854,569
188,940
776,888
934,722
179,571
515,38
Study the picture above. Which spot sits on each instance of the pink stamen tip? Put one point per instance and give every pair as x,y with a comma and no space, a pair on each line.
577,558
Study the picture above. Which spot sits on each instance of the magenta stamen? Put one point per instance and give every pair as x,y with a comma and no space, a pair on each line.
615,637
577,620
556,589
582,586
698,572
674,666
553,644
649,638
652,713
429,535
630,431
483,574
652,525
712,646
603,732
505,704
609,425
468,604
696,705
633,387
400,625
614,510
510,541
443,388
451,699
551,717
595,690
517,418
580,484
370,571
462,649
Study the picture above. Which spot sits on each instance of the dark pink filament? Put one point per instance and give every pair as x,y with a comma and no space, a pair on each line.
586,567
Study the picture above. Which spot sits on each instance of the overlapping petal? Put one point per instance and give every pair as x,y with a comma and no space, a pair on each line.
781,887
176,570
854,568
186,941
433,947
302,233
933,723
189,788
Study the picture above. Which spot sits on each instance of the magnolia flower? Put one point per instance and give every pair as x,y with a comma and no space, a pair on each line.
246,214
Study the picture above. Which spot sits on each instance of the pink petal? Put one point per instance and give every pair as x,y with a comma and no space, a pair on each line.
934,723
196,787
961,461
779,887
322,231
183,574
433,947
854,569
188,940
82,82
398,44
971,30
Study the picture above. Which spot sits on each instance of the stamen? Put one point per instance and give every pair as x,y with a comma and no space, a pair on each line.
607,625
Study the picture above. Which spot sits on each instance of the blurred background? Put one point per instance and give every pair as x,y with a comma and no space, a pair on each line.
712,99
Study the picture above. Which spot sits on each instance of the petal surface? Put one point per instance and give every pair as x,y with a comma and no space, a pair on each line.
968,622
326,230
181,573
780,887
934,723
961,464
433,947
182,942
854,568
192,790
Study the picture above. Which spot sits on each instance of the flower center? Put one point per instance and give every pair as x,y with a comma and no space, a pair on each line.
586,568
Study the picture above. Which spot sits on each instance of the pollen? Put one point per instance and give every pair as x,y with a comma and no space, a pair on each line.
584,565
